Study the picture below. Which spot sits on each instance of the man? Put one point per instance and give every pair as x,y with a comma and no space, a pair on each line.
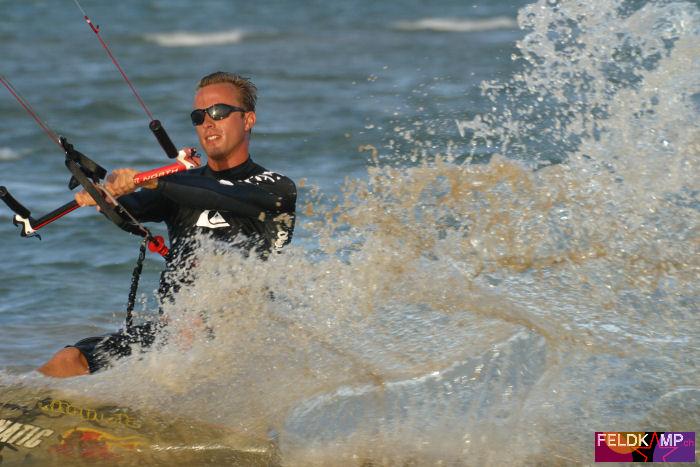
232,199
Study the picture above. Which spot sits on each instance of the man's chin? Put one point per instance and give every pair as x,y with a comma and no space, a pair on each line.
215,155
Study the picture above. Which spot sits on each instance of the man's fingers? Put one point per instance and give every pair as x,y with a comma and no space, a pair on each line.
121,182
118,183
83,198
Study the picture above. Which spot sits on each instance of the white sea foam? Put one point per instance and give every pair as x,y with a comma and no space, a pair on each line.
7,154
196,39
457,24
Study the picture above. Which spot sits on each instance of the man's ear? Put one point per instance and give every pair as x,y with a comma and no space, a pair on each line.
249,120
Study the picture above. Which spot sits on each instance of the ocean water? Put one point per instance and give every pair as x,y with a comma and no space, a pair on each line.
497,241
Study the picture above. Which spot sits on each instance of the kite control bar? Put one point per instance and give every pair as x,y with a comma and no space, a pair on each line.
88,169
88,174
186,159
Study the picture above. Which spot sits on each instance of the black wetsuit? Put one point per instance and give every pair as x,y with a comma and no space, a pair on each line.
247,206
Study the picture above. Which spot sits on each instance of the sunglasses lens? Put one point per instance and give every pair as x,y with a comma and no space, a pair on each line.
216,112
197,117
219,111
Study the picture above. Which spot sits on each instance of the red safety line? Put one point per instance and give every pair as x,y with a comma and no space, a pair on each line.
96,30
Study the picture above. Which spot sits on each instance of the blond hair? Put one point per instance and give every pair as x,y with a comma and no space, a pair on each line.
248,91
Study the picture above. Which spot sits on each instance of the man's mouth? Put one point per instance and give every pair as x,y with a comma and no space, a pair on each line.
212,137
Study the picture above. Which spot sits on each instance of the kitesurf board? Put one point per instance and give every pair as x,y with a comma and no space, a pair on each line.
41,427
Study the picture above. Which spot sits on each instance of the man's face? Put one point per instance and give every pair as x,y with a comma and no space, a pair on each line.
226,138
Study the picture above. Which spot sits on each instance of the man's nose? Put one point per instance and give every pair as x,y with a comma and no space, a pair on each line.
208,121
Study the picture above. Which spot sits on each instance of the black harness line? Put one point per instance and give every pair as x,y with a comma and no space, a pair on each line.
135,276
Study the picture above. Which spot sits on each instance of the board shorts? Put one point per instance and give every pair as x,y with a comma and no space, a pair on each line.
101,351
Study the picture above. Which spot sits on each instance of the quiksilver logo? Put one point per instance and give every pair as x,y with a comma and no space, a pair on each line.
212,220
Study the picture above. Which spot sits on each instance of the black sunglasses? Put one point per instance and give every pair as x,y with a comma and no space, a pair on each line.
216,112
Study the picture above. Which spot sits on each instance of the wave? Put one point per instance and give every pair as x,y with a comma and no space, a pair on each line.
196,39
7,154
456,24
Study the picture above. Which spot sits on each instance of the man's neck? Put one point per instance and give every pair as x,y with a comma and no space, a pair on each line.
229,162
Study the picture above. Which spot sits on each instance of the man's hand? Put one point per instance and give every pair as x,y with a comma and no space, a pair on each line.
119,183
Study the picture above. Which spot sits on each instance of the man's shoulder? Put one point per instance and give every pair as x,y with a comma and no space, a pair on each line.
268,177
261,175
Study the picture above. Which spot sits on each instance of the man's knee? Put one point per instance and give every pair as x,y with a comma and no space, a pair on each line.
66,362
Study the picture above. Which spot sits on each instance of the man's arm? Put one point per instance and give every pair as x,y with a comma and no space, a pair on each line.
268,193
145,205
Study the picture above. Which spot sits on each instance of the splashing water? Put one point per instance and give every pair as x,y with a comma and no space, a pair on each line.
453,308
